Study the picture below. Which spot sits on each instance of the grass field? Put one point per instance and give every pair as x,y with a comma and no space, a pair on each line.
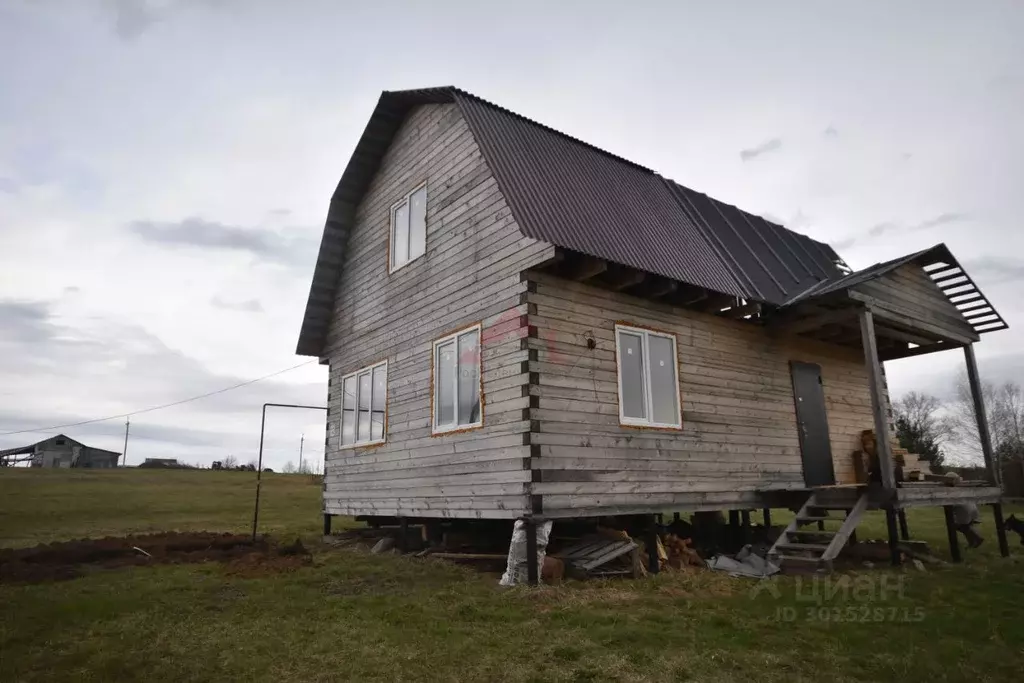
354,616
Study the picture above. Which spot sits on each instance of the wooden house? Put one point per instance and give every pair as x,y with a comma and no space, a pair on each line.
520,325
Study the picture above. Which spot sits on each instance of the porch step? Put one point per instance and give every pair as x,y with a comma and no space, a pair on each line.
804,547
818,518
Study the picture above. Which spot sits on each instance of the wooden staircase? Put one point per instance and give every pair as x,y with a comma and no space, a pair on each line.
801,546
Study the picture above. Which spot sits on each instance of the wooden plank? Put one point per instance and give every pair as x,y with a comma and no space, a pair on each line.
879,399
974,379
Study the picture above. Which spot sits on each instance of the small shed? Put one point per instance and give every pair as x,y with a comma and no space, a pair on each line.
60,451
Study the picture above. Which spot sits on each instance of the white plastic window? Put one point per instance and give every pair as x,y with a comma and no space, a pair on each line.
364,396
409,228
648,378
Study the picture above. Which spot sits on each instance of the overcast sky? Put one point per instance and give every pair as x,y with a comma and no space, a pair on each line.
165,169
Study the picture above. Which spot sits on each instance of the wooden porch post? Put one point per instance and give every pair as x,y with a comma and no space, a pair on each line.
653,561
979,411
997,513
878,404
532,568
954,542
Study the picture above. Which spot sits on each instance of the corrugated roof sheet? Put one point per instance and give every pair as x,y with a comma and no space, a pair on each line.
582,198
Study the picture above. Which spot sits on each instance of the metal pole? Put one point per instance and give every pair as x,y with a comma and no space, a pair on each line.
259,466
259,474
302,440
124,454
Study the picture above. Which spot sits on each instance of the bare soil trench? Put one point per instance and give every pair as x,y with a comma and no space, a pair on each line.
70,559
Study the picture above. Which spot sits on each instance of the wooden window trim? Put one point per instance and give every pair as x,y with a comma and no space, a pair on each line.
341,417
647,423
456,428
406,201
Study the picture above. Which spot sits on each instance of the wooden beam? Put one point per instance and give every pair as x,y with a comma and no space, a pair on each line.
975,306
939,332
532,568
920,350
624,278
879,406
664,288
979,413
900,335
587,267
742,311
814,322
954,542
997,513
894,541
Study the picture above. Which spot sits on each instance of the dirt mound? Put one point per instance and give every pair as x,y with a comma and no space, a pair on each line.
58,561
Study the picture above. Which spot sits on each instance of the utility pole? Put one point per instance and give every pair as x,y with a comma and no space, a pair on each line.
302,440
124,454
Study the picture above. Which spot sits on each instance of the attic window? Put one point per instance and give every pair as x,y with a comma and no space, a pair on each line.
59,442
409,228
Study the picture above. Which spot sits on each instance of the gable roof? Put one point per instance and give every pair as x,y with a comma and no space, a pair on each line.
576,196
23,450
942,268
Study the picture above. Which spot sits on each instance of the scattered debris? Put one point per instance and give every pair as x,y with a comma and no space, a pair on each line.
681,553
744,563
383,545
592,555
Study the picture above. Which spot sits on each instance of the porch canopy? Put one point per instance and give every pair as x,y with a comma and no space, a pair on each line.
920,303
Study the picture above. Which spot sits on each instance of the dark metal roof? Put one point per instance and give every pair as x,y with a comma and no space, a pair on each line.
942,268
579,197
24,450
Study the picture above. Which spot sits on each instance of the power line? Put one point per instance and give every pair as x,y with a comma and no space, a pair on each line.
159,407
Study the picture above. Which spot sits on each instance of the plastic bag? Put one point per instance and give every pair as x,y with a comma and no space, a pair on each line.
515,572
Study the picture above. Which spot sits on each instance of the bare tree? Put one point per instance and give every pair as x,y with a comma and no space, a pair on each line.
230,462
920,427
289,467
1004,407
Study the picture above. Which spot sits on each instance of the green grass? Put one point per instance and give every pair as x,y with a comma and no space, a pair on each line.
44,505
354,616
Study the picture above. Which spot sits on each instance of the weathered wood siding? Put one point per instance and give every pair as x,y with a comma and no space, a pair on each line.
907,297
739,422
469,273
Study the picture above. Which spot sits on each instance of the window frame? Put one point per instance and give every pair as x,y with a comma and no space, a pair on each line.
341,418
645,334
405,201
435,429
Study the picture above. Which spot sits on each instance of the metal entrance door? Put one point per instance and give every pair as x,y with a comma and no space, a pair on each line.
812,424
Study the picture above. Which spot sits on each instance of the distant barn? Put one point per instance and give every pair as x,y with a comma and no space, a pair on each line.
60,451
